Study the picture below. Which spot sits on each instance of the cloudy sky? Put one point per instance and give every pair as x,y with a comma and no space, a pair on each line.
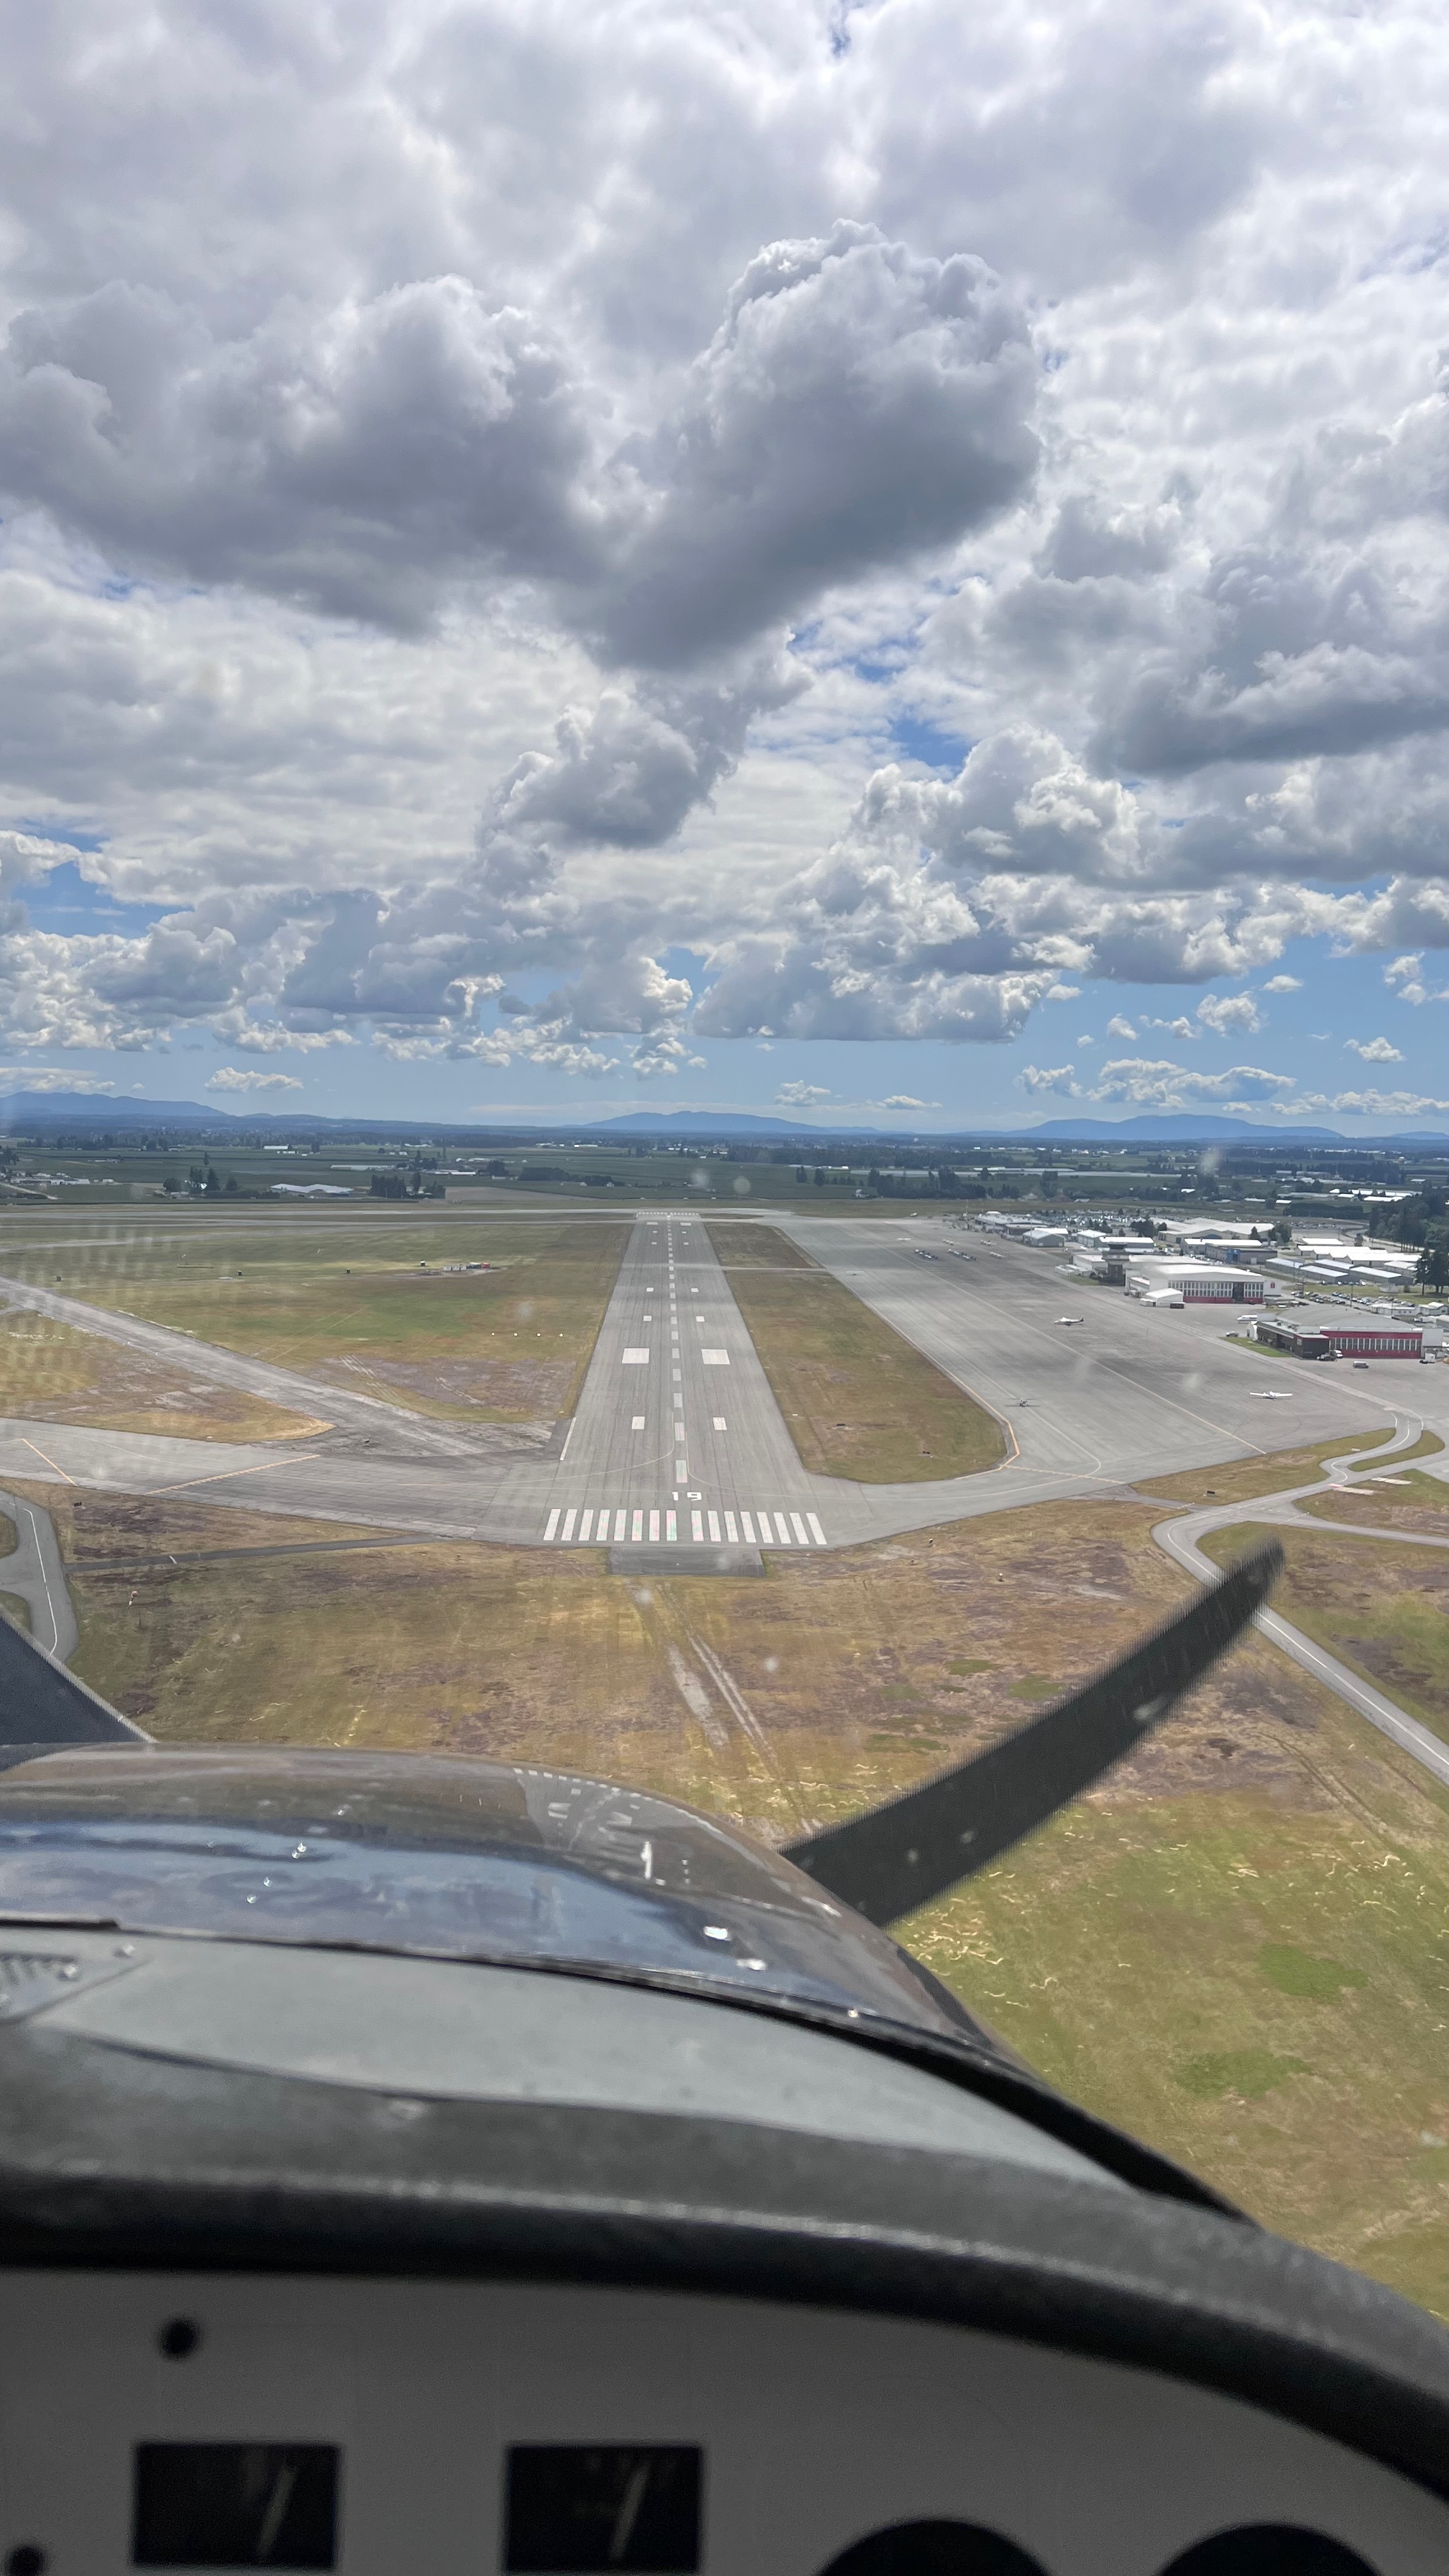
883,559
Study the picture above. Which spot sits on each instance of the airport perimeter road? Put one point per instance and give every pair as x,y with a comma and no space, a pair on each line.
1128,1391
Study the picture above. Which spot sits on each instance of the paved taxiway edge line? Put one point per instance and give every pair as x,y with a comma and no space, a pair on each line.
35,1573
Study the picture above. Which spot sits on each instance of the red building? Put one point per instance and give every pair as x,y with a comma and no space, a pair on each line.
1383,1339
1375,1337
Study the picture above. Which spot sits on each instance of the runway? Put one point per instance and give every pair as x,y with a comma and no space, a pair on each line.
678,1442
678,1455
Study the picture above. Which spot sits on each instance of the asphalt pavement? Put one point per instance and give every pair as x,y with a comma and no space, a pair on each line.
1119,1392
34,1573
678,1440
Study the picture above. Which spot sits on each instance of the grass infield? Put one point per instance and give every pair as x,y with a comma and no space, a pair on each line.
1276,1472
385,1307
1382,1609
49,1372
1401,1501
859,1400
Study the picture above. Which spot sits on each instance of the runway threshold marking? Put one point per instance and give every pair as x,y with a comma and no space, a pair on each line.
600,1524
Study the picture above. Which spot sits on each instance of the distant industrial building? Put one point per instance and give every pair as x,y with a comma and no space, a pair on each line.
1119,1245
1376,1338
1334,1261
1201,1283
1221,1241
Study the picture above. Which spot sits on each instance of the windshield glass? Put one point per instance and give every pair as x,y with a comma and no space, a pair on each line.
724,961
451,1860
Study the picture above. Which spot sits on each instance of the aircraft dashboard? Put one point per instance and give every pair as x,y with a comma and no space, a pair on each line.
324,2258
456,2169
386,2425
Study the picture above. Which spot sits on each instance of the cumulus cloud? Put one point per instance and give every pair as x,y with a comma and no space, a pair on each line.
628,771
1230,1014
800,1095
665,1053
30,1077
1385,1104
1147,1083
1375,1050
605,433
229,1077
1279,660
1062,1078
1405,980
859,405
356,457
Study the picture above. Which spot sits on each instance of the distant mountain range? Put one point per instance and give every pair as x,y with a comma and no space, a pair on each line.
642,1123
93,1109
1179,1128
93,1113
97,1111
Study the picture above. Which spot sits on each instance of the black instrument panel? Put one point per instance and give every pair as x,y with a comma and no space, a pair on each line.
546,2430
